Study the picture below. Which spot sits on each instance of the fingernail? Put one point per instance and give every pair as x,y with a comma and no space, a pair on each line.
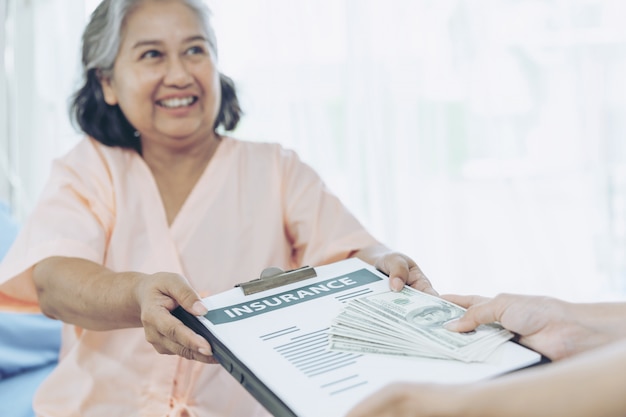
452,325
203,347
397,284
199,309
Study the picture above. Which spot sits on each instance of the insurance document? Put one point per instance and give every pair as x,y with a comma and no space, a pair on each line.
276,343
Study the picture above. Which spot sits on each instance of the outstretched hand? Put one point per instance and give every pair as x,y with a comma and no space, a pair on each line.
157,296
539,321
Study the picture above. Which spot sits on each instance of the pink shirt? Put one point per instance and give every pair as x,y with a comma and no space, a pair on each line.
256,205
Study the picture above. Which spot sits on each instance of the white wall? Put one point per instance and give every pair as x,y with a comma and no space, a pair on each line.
484,138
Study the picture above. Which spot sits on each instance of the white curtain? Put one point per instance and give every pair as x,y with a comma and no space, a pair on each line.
39,73
5,189
484,138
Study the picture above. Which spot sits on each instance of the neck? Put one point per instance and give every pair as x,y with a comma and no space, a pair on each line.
183,160
177,171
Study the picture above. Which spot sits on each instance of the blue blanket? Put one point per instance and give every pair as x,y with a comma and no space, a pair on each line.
8,230
29,345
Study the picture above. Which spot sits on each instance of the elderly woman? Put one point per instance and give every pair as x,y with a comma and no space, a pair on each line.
155,208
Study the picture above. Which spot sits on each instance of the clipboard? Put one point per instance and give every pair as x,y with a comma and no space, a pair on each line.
270,278
236,368
328,392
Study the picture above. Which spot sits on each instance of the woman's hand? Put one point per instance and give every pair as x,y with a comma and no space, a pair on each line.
556,328
402,271
400,268
543,323
157,296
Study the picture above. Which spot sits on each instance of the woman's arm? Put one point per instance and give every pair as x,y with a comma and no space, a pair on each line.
86,294
592,384
598,324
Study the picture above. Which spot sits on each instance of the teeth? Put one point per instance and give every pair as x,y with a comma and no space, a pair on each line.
177,102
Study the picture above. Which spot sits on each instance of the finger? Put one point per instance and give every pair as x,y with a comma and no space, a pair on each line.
404,271
189,353
476,314
167,346
188,350
164,329
419,281
180,290
396,267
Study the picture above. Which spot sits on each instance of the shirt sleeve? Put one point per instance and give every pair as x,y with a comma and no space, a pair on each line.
321,228
73,218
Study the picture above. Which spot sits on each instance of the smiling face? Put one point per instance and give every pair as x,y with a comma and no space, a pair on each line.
165,79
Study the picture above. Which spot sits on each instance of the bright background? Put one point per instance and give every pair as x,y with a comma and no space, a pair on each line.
485,138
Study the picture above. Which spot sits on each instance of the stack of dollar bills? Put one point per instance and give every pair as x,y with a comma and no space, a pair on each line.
411,323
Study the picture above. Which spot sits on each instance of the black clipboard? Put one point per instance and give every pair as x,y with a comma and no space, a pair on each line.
236,368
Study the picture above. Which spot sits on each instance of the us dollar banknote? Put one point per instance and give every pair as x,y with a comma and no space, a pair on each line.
410,322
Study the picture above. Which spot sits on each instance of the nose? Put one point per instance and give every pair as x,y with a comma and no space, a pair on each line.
177,74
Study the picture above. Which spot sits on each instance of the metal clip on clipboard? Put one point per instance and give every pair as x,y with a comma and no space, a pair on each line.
275,277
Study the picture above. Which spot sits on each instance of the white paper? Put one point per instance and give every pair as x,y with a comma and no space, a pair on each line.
286,347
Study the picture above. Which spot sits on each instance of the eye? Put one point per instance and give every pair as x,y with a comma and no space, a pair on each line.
195,50
152,53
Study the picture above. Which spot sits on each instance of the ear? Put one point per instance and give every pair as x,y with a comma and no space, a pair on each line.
107,89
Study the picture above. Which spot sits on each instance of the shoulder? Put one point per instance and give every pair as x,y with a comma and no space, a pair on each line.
89,151
267,162
90,172
89,158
